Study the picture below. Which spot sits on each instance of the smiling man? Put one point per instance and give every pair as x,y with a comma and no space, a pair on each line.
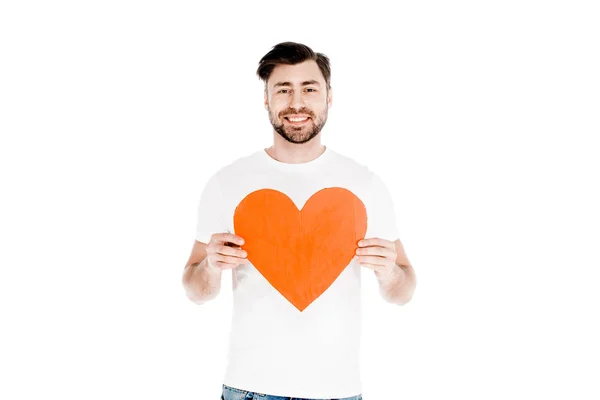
297,125
296,223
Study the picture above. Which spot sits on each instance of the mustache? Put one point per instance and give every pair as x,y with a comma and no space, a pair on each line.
301,111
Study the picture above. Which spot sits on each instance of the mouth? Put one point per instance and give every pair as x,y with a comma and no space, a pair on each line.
297,120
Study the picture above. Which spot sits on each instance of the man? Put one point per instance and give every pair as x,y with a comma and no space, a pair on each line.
296,284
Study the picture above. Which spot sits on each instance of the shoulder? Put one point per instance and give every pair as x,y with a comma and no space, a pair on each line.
235,167
351,166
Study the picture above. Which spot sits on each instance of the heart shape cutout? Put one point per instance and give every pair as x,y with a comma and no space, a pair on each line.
301,252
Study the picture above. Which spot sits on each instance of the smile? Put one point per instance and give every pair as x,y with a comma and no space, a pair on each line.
297,120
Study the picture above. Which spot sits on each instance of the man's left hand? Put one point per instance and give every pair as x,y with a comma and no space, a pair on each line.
377,254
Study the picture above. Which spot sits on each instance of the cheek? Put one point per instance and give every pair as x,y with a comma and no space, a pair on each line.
277,107
274,109
320,104
276,114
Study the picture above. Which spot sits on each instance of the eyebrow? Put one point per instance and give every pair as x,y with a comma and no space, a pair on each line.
311,82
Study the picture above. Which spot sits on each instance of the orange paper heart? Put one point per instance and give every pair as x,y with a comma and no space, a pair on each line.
301,252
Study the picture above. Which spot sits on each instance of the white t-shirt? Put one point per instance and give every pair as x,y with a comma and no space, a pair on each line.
274,348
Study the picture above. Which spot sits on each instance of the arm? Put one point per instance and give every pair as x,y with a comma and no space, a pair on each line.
396,285
394,272
202,273
201,281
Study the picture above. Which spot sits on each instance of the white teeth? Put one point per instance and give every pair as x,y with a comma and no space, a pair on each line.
297,119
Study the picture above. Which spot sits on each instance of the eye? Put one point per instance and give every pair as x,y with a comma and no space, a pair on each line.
282,91
314,90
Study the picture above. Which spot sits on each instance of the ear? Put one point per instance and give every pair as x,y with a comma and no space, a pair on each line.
266,101
329,98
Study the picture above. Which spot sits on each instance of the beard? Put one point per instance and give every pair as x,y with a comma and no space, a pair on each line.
298,134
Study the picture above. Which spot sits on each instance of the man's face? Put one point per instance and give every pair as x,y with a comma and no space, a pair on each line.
297,91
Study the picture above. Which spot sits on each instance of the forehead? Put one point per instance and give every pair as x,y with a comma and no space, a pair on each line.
296,74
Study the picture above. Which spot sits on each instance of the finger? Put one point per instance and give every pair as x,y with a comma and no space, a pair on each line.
371,266
228,237
375,242
224,265
379,261
376,251
231,251
230,259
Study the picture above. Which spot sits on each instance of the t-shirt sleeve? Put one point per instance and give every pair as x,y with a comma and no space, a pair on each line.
209,218
382,217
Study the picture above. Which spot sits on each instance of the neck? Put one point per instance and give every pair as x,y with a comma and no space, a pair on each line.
293,153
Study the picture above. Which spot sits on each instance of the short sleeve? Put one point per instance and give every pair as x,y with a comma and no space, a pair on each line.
382,214
209,218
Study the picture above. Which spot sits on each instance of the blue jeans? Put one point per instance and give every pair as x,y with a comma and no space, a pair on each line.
230,393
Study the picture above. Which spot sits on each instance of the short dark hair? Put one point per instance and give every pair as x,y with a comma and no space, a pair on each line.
292,53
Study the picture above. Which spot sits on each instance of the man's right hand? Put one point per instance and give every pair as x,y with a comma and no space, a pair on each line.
224,251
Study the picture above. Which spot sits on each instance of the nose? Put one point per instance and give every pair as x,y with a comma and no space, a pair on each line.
296,100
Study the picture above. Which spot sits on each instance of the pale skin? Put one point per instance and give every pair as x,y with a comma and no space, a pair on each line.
297,91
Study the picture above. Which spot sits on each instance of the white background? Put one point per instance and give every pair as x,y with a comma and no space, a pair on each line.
480,117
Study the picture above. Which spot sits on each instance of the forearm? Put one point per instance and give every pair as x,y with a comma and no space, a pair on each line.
201,282
397,285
